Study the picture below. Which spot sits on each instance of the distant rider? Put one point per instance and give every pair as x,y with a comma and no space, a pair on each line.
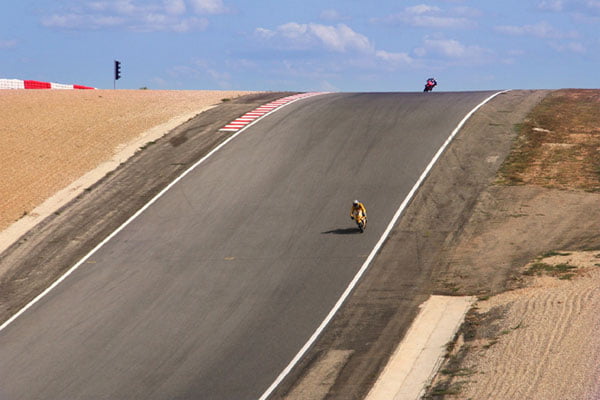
431,83
358,210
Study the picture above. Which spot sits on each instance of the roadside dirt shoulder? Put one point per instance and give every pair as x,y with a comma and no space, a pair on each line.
532,255
511,226
538,340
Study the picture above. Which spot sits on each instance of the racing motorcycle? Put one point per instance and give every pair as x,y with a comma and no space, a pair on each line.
361,222
431,83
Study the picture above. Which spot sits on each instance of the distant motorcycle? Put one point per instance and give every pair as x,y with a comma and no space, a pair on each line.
431,83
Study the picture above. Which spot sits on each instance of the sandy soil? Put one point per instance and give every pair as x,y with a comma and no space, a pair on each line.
50,138
538,340
544,344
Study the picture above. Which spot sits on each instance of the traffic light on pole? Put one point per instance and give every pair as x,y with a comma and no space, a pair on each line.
117,70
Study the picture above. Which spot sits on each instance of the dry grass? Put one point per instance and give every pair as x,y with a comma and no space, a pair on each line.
558,145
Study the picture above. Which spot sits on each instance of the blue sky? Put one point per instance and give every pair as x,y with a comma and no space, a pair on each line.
339,45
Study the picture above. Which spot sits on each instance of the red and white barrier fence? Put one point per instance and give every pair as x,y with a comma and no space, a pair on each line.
29,84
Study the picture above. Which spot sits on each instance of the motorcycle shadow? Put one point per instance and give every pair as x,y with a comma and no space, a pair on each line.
342,231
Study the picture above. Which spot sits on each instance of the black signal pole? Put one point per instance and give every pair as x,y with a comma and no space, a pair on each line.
117,73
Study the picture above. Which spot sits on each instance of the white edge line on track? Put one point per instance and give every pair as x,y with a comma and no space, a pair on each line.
140,211
375,250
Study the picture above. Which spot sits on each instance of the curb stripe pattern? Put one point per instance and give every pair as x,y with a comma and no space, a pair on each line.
263,110
29,84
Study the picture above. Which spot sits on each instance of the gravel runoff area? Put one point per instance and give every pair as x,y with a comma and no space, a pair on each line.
56,143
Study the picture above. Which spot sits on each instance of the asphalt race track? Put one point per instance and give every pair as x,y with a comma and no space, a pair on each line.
213,289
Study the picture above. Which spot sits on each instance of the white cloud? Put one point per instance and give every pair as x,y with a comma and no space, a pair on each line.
454,50
294,31
582,11
571,47
339,38
430,21
189,24
541,30
557,39
209,6
82,21
426,16
175,7
551,5
422,9
336,39
127,7
265,33
136,15
394,58
467,12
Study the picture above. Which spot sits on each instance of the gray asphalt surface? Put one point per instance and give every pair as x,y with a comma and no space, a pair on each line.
212,290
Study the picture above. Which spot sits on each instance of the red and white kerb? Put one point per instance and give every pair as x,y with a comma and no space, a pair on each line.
263,110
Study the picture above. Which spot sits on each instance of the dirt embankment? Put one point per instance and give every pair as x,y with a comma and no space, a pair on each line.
540,224
49,138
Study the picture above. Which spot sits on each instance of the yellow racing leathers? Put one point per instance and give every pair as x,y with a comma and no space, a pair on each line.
358,211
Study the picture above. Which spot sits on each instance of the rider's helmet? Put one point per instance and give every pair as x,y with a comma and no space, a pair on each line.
355,202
